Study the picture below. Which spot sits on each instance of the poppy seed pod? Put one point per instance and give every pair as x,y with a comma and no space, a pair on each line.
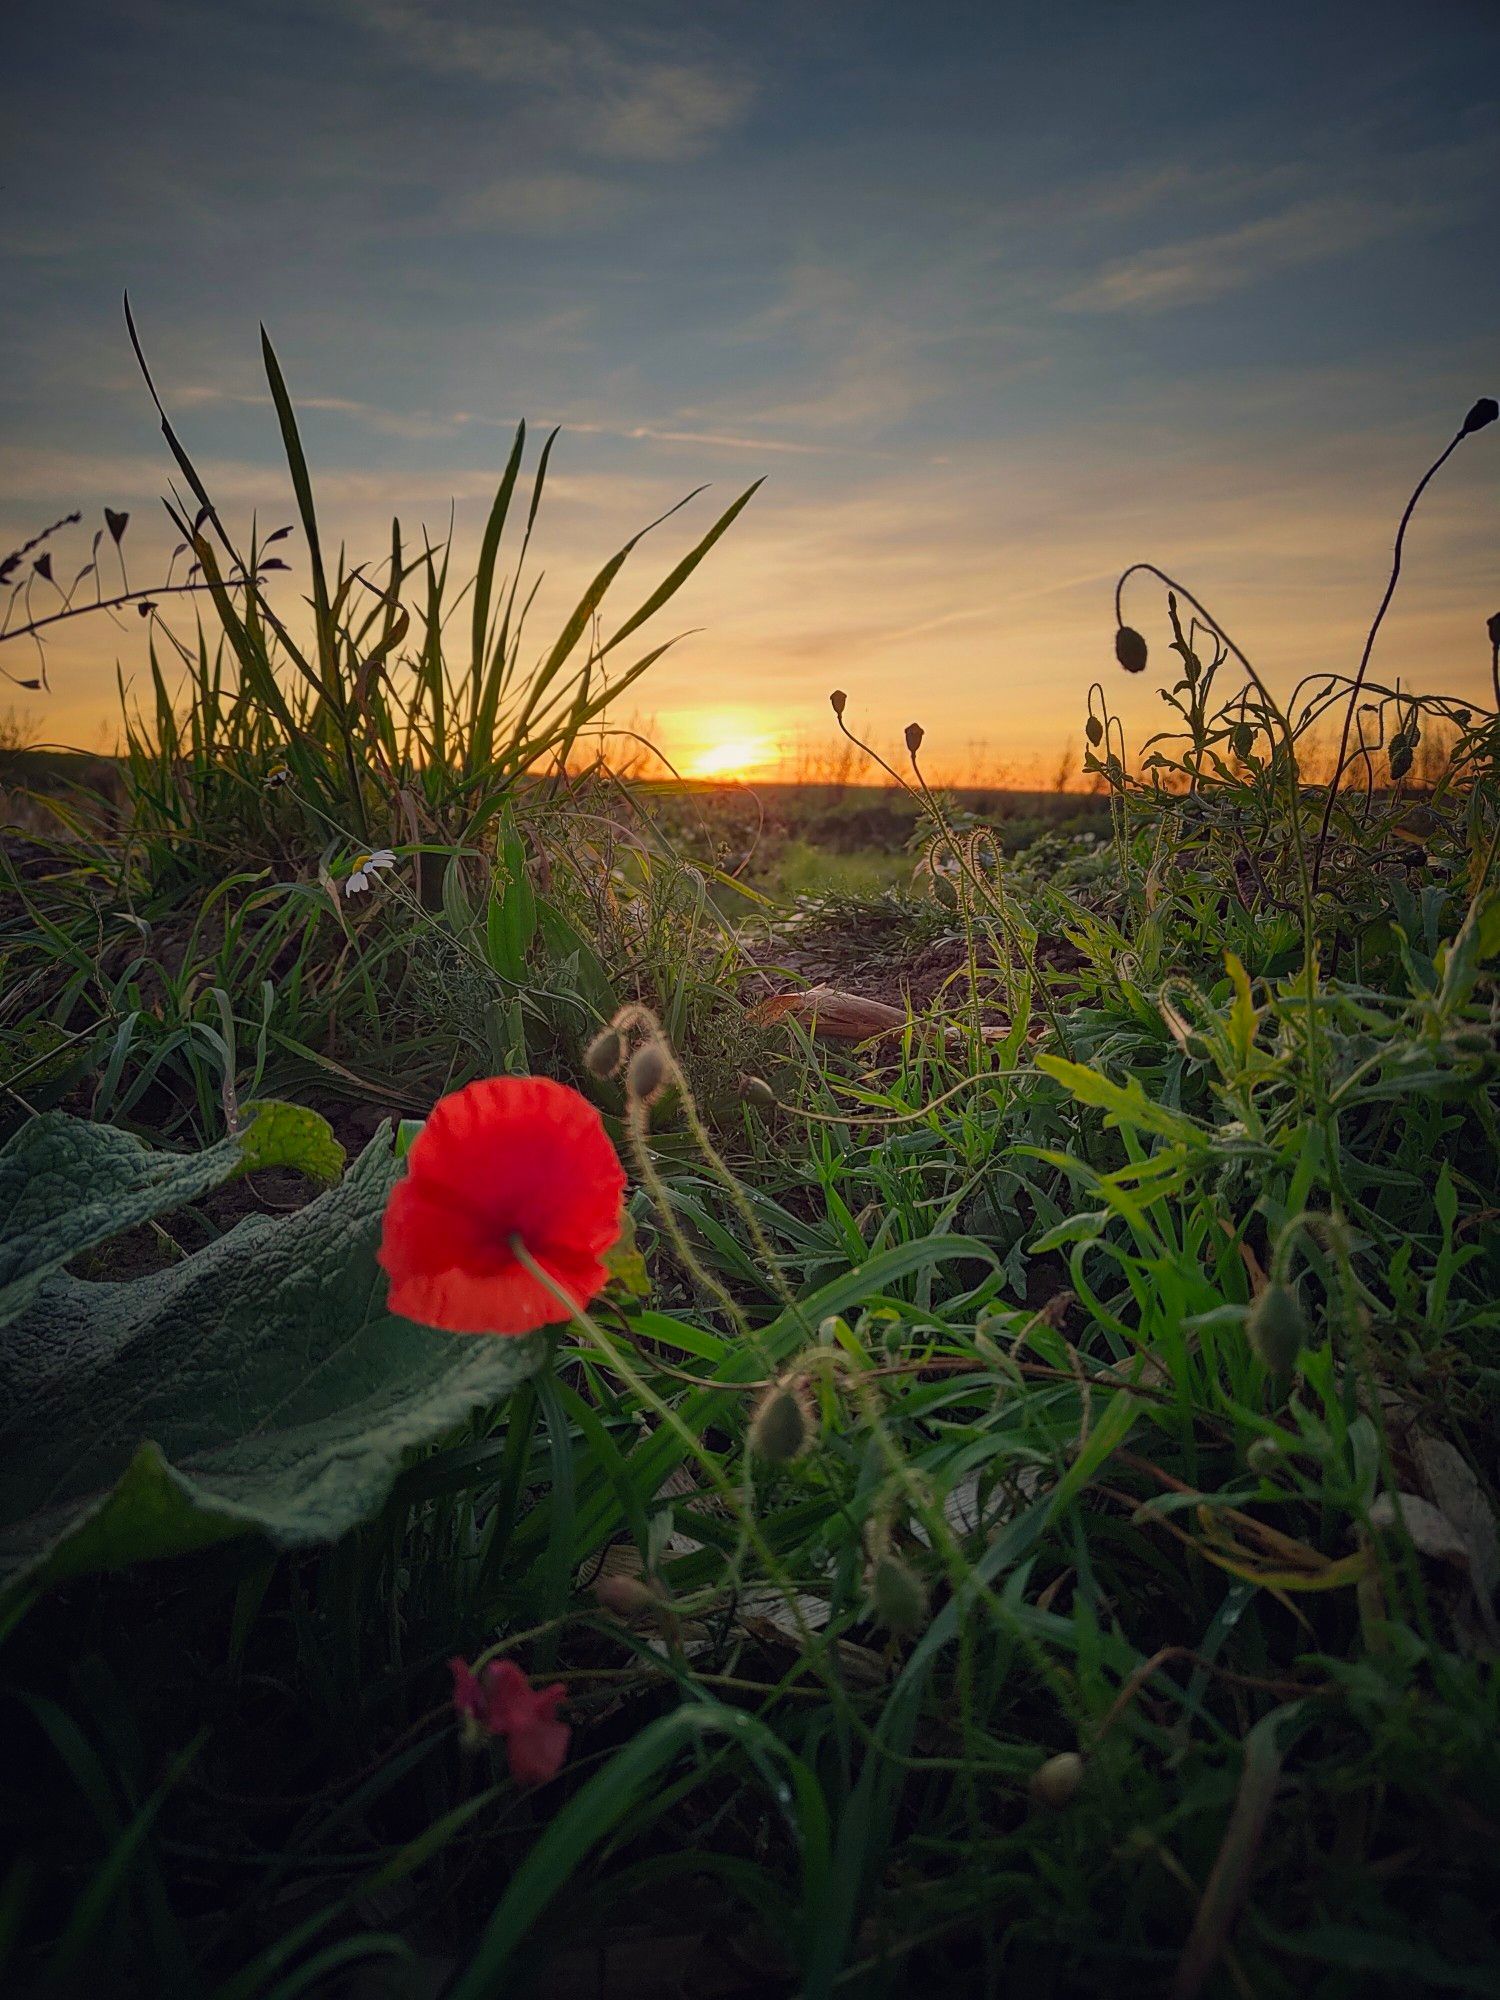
1277,1327
1492,626
646,1076
914,735
898,1596
837,701
781,1428
1130,650
1484,412
1093,729
603,1054
1055,1783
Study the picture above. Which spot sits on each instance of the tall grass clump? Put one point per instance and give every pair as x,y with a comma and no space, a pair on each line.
376,723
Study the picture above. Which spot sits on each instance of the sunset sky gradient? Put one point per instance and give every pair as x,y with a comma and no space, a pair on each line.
994,299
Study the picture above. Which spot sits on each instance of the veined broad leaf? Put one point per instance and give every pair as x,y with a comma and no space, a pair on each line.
259,1386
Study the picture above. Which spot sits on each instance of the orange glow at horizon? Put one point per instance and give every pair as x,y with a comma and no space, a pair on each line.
728,746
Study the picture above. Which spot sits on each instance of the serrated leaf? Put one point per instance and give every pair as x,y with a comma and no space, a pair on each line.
1126,1104
260,1385
291,1135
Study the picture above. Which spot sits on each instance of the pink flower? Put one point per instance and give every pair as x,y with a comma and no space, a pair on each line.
500,1701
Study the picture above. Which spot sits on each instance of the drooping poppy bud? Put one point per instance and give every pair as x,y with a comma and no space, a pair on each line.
1242,737
646,1075
914,735
898,1596
1484,412
755,1090
1130,650
781,1428
837,702
1055,1783
602,1056
1093,729
1277,1327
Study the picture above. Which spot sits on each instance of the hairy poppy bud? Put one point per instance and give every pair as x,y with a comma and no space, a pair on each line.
898,1596
602,1056
1093,729
781,1428
1242,737
630,1597
914,735
1277,1327
1492,626
837,702
1130,650
646,1076
755,1090
1054,1783
1484,412
1264,1456
1400,759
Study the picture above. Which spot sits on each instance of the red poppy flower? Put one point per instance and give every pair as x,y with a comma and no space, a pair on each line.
535,1741
500,1701
512,1157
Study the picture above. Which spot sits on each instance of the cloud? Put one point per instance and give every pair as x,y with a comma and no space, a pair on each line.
539,204
1204,268
625,97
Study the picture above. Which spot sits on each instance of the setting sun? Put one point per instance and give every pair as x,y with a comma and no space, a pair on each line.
723,743
732,757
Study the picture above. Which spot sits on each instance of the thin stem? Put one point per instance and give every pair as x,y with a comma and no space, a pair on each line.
1359,679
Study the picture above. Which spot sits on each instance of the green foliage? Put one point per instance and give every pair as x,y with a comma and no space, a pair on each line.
256,1386
1117,1614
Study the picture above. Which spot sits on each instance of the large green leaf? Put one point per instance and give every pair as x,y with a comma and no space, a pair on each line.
66,1184
260,1385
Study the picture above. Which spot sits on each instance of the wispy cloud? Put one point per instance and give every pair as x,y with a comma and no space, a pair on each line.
1204,268
619,94
534,204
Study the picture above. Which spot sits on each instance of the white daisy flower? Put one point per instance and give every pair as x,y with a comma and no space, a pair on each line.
366,868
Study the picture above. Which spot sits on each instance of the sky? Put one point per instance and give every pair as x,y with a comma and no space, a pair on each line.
996,298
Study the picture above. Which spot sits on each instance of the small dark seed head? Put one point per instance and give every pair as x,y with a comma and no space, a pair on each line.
603,1054
837,701
914,735
1130,650
1484,412
646,1076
